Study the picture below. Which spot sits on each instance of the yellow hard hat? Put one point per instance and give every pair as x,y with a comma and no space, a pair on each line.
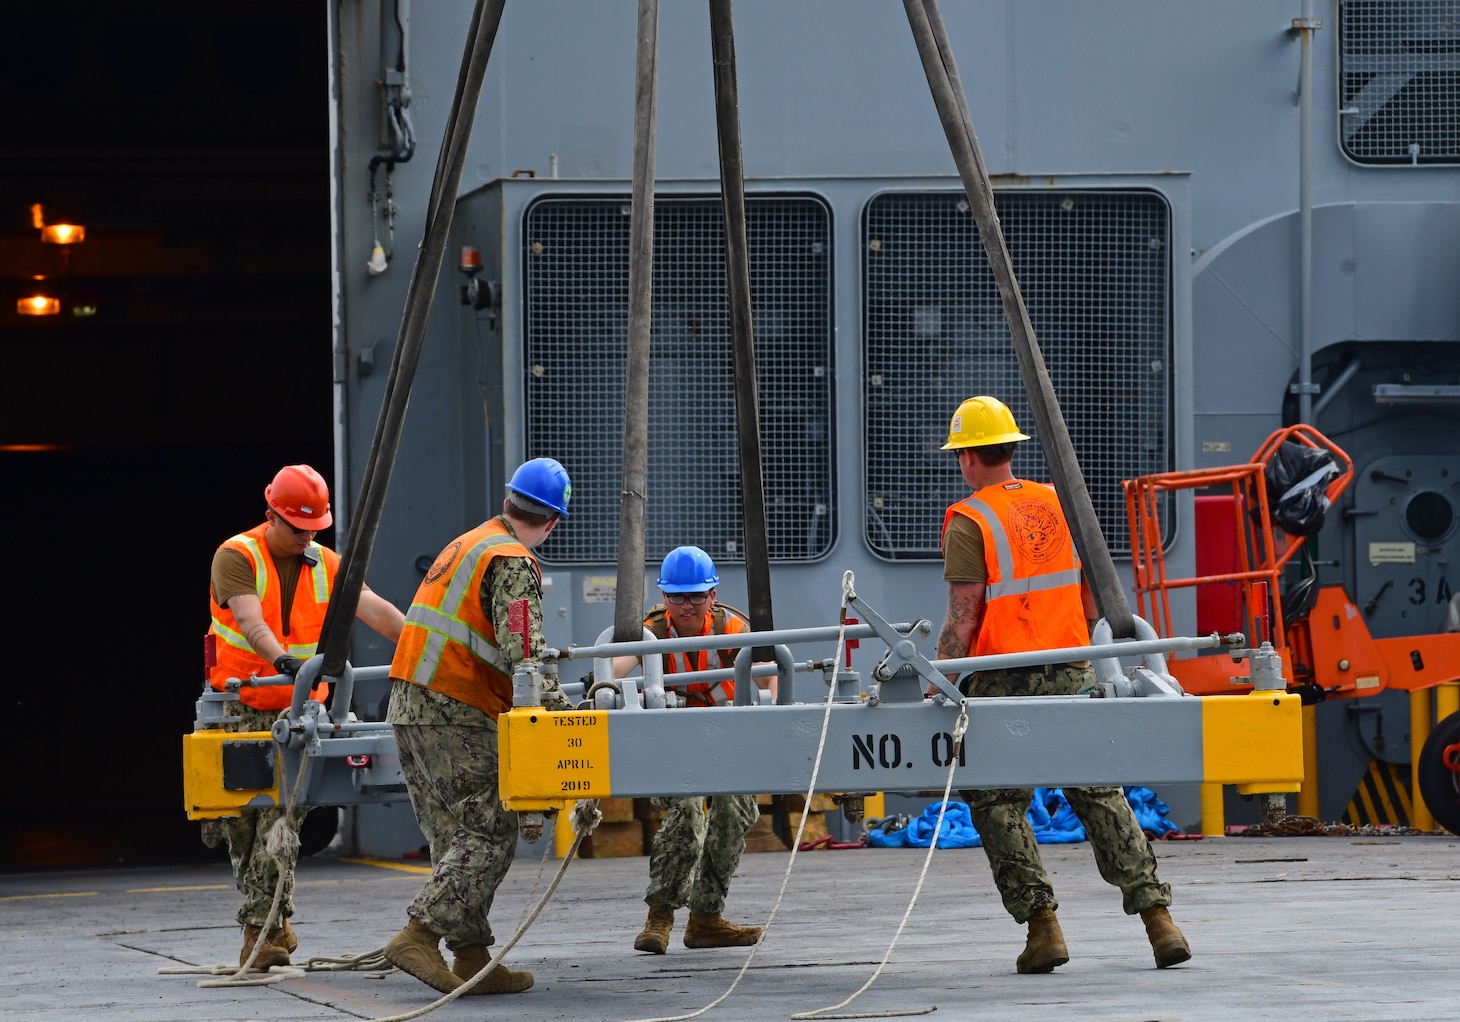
981,422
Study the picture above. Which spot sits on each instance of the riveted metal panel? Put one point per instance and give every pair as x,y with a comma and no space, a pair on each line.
575,322
1095,271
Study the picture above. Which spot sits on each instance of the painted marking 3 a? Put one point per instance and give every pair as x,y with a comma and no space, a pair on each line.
874,751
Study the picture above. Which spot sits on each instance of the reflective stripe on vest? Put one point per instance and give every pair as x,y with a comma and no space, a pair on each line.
443,627
236,656
321,584
230,636
701,693
256,555
1013,586
444,624
448,643
461,576
1032,592
319,579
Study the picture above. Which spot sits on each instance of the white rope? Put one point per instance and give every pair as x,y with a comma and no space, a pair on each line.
584,819
959,729
282,845
275,974
847,594
537,880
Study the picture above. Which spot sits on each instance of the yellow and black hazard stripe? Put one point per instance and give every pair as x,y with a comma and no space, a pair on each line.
1383,796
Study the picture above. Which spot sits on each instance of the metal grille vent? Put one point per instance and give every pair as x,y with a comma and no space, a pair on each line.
1399,71
1094,268
575,254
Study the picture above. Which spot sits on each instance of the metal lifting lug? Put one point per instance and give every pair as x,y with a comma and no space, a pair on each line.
530,825
1266,672
301,733
526,686
848,682
1274,807
853,807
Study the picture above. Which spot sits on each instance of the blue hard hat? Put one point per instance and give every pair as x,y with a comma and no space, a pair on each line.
543,481
688,569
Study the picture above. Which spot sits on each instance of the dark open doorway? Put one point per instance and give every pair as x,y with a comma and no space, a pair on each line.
188,359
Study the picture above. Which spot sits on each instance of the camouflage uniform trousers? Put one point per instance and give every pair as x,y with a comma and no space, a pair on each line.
695,852
1122,851
451,774
255,871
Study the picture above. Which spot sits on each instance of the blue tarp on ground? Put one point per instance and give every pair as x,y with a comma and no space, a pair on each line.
1053,820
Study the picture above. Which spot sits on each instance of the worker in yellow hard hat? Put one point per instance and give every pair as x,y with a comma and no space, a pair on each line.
1014,585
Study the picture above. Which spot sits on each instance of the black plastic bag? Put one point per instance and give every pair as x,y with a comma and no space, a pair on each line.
1297,476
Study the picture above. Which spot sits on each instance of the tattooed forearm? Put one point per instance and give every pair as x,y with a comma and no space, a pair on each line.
962,621
948,642
258,635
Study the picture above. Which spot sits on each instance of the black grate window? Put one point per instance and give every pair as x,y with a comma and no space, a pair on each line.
1399,80
575,254
1094,269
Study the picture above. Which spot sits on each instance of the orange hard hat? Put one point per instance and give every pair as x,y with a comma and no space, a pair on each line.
300,496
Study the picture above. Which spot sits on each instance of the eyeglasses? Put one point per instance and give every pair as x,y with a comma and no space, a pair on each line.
292,527
679,599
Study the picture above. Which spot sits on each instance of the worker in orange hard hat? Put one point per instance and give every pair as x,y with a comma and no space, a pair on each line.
1014,585
270,588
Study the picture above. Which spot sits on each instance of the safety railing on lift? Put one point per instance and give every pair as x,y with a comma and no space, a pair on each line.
1262,549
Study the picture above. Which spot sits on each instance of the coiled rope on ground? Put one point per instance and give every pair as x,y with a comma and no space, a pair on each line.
282,844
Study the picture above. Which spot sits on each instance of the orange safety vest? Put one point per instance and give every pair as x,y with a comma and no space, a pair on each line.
723,620
449,644
236,658
1032,599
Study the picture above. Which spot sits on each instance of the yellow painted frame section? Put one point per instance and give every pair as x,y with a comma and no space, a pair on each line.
1254,741
547,760
204,797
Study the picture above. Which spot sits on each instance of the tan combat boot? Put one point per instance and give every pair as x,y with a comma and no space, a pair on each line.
711,929
1167,941
1045,949
416,950
470,958
654,938
272,950
286,936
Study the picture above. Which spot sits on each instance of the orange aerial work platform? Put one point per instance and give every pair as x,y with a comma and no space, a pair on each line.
1325,644
1240,560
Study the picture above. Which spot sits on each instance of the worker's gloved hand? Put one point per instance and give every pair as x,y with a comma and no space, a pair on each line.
286,664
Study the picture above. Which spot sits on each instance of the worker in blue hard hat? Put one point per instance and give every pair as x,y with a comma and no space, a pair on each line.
698,846
475,617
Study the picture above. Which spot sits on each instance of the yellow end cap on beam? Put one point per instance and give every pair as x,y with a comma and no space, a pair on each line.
204,797
1253,740
548,758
